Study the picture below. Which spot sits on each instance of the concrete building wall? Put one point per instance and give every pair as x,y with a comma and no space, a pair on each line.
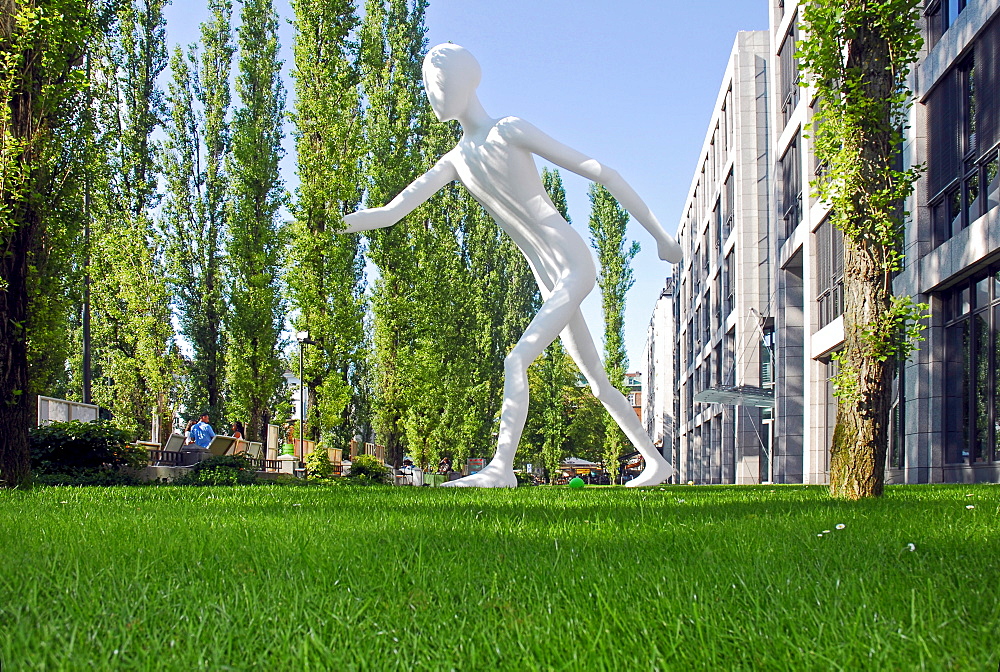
658,376
723,285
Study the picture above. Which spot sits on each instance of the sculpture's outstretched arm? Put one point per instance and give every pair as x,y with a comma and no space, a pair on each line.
534,140
405,202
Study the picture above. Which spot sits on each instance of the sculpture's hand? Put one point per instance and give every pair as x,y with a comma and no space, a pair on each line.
365,220
668,249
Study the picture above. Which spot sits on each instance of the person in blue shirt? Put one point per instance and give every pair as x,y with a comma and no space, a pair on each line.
202,433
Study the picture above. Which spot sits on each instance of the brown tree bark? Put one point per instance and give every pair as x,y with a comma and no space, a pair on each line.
857,461
15,410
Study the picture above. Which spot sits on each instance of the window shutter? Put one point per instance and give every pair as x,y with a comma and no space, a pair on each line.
988,86
944,162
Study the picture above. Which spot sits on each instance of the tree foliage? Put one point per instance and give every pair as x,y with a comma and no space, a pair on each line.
391,48
194,211
134,359
42,114
608,222
326,270
857,56
255,244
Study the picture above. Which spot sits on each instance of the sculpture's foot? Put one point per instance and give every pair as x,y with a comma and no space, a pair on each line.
490,477
657,470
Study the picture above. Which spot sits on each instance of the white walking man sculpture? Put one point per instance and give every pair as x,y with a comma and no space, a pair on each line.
494,161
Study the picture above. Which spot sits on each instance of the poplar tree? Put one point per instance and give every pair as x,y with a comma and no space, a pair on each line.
552,369
391,44
194,212
326,270
608,222
134,359
503,298
42,106
255,244
857,54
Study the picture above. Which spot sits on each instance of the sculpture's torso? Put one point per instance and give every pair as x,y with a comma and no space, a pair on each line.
502,176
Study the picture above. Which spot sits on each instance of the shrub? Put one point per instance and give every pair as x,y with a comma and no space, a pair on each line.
220,470
524,478
318,463
75,447
81,477
369,469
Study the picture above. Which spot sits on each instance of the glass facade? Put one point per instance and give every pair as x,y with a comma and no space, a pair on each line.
971,380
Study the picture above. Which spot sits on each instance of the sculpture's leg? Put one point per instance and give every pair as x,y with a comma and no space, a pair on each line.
553,316
581,347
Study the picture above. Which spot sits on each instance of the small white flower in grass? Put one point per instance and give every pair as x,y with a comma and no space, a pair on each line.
840,526
970,506
296,505
969,495
911,547
690,482
820,534
826,531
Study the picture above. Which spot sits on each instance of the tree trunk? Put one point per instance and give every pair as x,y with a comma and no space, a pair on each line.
15,409
857,461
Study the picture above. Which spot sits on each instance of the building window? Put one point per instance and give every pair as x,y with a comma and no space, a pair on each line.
963,112
940,15
728,115
767,359
788,71
690,343
897,433
790,202
729,369
727,284
719,371
829,272
972,357
718,216
706,257
706,316
728,205
719,321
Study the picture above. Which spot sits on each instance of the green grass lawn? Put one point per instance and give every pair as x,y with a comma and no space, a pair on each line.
676,578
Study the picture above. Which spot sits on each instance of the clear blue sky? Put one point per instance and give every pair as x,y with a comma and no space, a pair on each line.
630,82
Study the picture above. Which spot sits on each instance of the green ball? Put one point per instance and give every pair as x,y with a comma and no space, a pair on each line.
577,482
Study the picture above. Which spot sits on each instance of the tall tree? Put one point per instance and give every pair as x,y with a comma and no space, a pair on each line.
608,222
554,373
392,46
503,298
42,101
326,270
194,212
132,330
256,236
858,54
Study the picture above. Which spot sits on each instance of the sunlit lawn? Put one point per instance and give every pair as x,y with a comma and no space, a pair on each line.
287,578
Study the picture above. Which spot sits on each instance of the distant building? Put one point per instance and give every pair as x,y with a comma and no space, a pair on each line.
633,386
658,358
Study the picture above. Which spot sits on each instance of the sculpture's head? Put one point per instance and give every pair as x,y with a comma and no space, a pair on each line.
451,75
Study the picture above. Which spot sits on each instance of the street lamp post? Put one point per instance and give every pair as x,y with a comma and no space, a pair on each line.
303,338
